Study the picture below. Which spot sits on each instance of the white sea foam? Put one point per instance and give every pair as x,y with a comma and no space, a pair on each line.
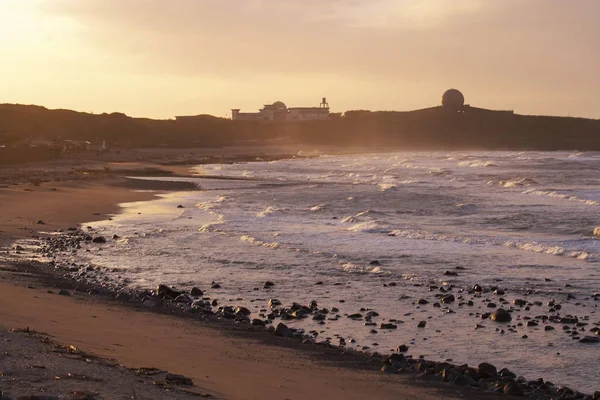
255,241
359,269
349,219
558,195
370,227
318,207
387,186
516,182
267,211
476,164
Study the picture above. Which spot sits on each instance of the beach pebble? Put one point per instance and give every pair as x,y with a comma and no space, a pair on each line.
402,348
196,292
99,239
166,291
283,331
449,298
501,315
422,324
387,326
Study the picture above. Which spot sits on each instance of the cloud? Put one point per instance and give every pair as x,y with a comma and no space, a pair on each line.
521,49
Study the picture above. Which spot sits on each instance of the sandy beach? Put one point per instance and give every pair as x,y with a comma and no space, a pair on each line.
223,361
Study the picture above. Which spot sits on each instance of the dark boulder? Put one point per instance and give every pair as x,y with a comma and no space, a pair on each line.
274,303
242,311
449,298
513,389
402,348
283,331
99,239
590,339
486,370
387,326
196,292
165,291
501,315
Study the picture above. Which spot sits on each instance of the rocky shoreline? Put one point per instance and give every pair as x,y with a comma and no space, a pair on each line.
195,303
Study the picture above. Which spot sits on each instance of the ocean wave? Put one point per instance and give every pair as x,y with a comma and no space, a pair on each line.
516,182
424,235
209,227
257,242
553,250
555,194
349,219
387,186
267,211
318,207
476,164
370,227
359,269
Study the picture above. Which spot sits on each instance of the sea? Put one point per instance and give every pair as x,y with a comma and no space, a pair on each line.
378,232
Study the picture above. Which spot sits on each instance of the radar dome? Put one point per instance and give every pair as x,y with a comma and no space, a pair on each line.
279,105
453,98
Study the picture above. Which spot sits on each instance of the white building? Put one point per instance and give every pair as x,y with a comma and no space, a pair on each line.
278,111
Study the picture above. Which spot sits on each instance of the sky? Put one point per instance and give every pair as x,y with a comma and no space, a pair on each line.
163,58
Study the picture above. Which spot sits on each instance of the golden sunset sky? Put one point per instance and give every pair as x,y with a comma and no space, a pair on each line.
161,58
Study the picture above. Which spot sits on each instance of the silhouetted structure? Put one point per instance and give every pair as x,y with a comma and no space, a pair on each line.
447,126
278,111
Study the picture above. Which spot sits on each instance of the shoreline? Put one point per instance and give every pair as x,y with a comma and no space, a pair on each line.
358,363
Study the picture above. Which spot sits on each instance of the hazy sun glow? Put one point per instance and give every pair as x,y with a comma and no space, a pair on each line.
161,58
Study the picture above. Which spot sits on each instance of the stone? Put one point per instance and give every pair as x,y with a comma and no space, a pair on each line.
402,348
268,284
242,310
421,324
355,316
257,322
422,302
449,298
590,339
486,370
477,289
283,331
196,292
501,315
40,222
388,369
451,273
274,303
387,326
165,291
180,206
319,317
215,286
513,389
63,292
99,239
519,302
178,380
